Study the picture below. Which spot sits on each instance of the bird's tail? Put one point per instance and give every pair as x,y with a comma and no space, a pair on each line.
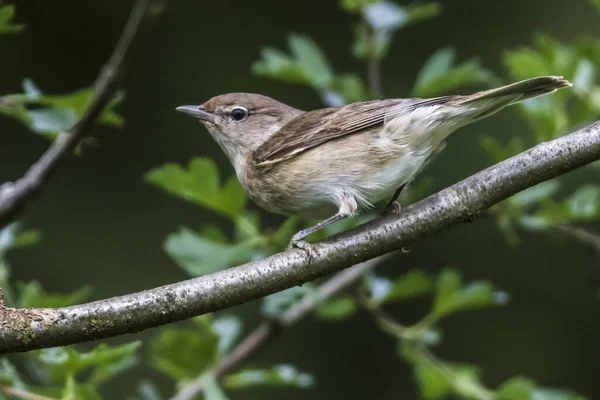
491,101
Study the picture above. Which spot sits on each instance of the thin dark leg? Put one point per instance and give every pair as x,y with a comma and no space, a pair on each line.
309,231
394,204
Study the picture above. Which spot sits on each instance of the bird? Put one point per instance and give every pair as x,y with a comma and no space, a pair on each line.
330,163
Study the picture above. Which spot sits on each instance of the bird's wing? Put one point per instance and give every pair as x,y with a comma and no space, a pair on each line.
313,128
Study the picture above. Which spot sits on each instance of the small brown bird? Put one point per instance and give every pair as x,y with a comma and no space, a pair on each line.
331,162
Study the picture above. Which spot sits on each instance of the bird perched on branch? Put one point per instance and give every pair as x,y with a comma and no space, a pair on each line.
328,163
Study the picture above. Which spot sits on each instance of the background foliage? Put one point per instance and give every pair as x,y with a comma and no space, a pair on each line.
421,332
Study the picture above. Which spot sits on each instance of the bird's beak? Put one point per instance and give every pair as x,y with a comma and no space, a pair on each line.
197,111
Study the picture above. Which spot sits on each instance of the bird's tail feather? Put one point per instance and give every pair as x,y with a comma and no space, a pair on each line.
488,102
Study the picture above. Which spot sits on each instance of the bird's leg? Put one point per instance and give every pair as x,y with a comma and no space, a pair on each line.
347,207
394,205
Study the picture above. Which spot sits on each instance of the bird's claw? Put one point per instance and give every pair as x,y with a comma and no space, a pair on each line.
393,208
303,245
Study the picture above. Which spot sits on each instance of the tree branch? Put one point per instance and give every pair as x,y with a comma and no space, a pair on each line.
268,330
33,328
15,195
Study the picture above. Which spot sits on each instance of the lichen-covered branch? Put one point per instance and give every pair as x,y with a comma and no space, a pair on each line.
15,195
27,329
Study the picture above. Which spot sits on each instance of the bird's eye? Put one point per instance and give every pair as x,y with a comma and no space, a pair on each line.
239,113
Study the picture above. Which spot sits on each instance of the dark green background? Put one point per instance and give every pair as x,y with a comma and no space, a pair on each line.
104,226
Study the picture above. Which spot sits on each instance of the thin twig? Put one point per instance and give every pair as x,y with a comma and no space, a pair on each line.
34,328
268,330
14,196
581,234
22,394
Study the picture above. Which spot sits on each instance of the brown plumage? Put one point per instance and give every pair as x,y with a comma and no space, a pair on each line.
339,159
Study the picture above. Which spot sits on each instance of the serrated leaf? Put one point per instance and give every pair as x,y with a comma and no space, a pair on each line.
439,76
279,375
102,363
31,294
183,354
199,183
518,388
201,255
7,14
336,309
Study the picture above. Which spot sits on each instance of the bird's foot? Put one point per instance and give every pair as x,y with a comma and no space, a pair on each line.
393,208
303,245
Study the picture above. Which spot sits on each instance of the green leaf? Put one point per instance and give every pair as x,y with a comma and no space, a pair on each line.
277,303
212,390
279,375
535,194
518,388
13,236
57,113
438,75
148,390
596,3
336,309
411,284
555,394
198,254
7,14
355,6
182,354
451,297
385,15
31,294
77,391
350,87
9,375
199,183
498,152
102,363
311,60
228,328
278,65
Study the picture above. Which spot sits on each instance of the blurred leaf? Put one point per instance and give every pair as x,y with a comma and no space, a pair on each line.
76,391
555,394
279,375
582,205
438,75
147,390
278,65
498,152
285,231
7,14
201,255
596,3
183,354
518,388
31,294
9,375
228,328
13,236
336,309
200,184
355,6
311,60
277,303
212,390
451,297
350,87
413,283
103,362
535,194
247,226
384,15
